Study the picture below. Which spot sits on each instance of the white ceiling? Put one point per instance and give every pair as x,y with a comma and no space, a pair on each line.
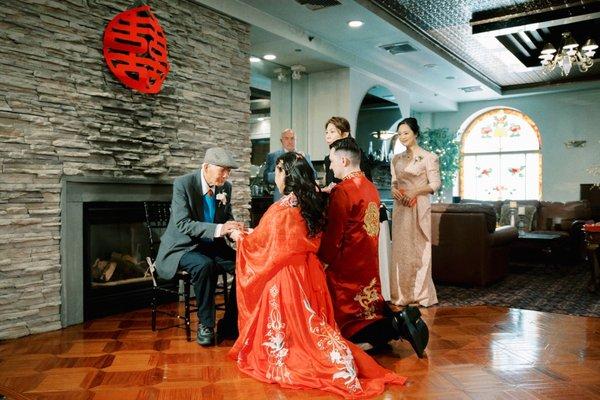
325,42
288,53
330,25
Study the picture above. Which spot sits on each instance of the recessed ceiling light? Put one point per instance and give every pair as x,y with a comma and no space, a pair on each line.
269,57
355,24
429,66
254,59
450,77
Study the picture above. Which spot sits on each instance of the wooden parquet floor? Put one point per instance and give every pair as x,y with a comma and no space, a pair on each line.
474,353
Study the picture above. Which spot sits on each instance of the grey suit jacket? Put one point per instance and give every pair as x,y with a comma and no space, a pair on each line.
186,226
269,174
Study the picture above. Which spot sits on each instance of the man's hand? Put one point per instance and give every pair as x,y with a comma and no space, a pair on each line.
230,226
327,189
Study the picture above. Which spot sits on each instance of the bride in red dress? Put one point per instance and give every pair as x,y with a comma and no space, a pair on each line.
286,322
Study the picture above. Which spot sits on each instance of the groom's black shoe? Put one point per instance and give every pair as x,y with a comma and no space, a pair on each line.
410,326
226,330
205,336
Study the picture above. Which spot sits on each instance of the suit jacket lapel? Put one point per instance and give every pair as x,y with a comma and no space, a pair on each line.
197,198
219,205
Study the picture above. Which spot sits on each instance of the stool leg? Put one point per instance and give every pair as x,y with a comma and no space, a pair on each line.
186,304
154,305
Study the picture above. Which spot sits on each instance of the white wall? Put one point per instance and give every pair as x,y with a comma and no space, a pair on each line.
281,110
305,105
328,95
300,112
560,117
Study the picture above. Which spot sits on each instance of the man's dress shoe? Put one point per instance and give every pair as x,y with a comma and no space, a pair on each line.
205,336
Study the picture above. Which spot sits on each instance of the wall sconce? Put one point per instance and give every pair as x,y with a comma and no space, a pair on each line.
281,74
297,71
575,143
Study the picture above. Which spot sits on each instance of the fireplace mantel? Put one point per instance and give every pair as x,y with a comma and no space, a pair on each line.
75,192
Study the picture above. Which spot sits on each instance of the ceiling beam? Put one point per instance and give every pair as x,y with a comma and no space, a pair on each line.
503,21
582,83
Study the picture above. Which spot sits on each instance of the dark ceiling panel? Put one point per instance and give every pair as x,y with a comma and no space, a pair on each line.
511,59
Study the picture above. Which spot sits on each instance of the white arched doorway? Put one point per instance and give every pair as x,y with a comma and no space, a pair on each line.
376,117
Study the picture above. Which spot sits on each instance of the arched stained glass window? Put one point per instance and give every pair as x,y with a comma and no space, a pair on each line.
501,157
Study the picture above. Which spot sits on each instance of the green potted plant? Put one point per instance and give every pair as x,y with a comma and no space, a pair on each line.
442,142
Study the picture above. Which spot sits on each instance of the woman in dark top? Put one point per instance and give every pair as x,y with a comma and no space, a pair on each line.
339,128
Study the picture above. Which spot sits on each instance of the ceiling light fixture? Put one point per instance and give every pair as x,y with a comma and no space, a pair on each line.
383,135
568,55
355,24
254,59
269,57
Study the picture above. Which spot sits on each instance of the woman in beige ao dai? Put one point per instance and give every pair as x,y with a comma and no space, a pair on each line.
415,175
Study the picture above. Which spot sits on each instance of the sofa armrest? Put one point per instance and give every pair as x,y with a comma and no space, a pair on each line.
503,235
576,230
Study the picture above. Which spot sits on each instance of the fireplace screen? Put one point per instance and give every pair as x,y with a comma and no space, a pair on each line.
116,244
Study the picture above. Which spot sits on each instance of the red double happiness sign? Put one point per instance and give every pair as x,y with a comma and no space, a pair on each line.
135,49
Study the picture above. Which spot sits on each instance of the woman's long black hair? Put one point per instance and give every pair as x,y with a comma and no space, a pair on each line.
299,178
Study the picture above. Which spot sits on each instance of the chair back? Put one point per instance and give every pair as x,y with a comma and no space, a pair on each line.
157,219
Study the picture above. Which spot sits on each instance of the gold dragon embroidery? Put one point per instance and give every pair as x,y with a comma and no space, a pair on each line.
367,298
372,219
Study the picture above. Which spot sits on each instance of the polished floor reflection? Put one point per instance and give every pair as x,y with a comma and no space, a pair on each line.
474,353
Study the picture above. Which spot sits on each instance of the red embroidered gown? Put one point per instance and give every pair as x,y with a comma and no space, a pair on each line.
350,246
286,321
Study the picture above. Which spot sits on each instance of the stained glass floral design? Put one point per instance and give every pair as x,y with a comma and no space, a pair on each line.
517,171
501,157
500,190
484,172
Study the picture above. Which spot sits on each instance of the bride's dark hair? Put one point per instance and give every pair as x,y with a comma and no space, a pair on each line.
299,178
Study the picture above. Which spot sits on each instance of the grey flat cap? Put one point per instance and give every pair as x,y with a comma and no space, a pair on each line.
221,157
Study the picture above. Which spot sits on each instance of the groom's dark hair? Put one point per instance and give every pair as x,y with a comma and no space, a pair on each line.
349,148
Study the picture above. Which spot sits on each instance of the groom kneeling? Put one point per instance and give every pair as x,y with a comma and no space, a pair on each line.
194,240
349,248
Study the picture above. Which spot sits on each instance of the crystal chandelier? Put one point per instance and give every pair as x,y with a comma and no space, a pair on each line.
568,55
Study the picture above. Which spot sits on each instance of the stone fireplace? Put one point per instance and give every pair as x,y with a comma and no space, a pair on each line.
72,137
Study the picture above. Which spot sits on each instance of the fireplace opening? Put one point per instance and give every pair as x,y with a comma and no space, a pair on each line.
115,245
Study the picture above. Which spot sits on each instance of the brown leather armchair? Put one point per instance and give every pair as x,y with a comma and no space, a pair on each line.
467,248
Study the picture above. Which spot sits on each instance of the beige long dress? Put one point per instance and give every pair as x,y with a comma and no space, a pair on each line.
410,272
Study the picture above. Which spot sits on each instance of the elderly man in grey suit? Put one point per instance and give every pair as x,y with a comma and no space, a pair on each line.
194,240
288,143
